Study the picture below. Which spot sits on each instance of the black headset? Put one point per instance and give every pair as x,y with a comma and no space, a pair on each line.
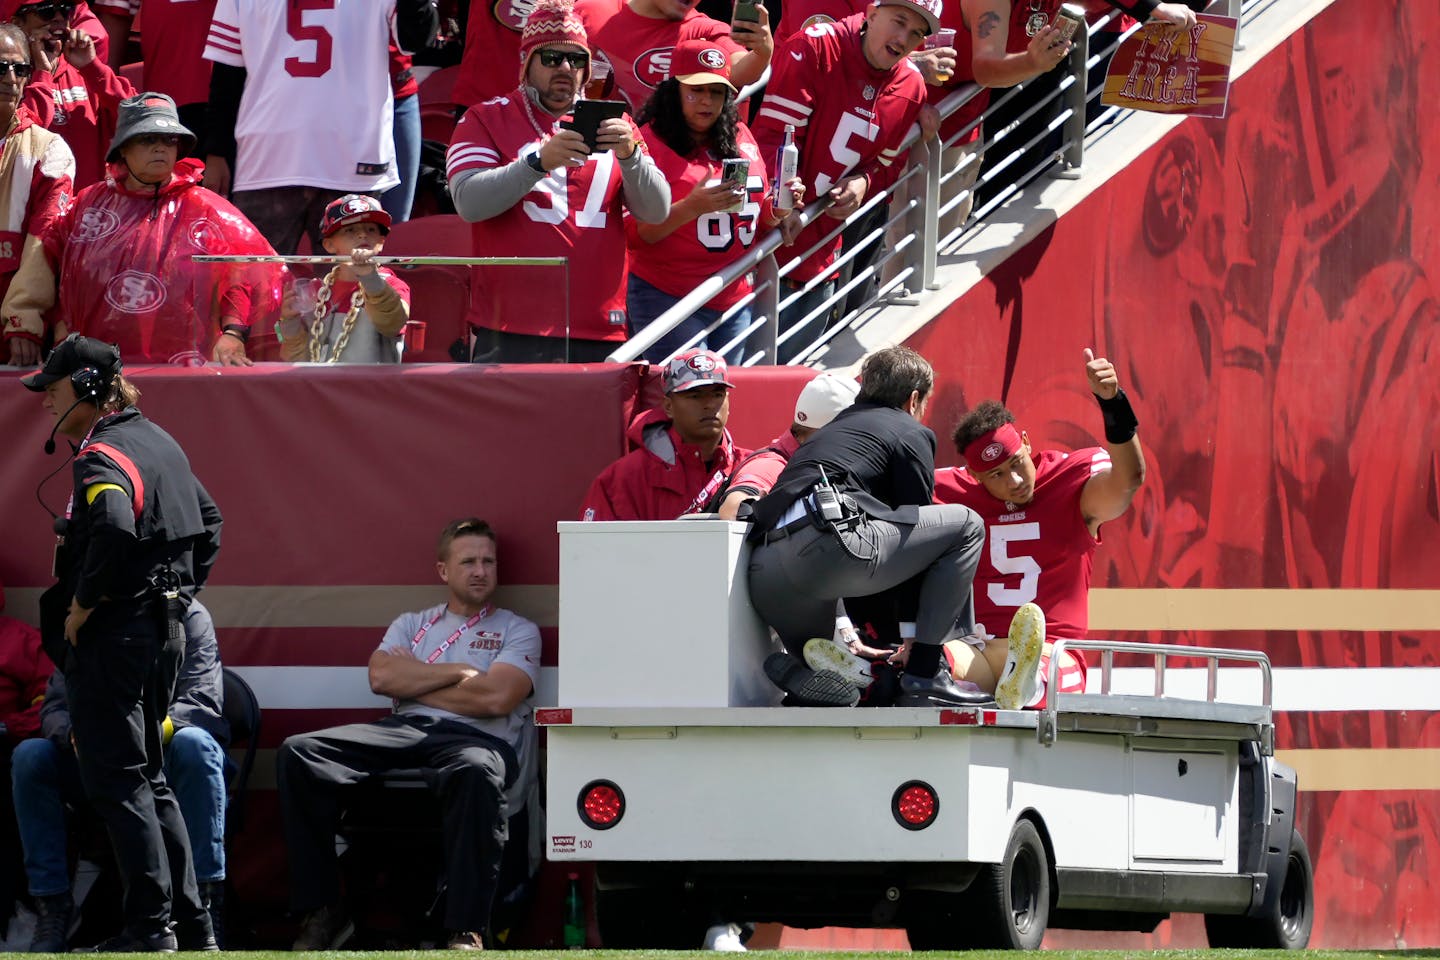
89,383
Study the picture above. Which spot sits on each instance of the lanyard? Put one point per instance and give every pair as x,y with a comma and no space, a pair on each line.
450,640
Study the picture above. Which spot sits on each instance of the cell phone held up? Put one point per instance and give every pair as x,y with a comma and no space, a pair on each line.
747,10
587,115
735,174
1068,19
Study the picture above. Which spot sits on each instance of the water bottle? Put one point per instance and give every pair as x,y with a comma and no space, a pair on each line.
786,170
574,931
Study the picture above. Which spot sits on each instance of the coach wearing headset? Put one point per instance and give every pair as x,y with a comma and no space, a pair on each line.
139,539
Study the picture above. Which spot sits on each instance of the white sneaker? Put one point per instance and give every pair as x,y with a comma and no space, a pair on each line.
822,653
1027,641
724,937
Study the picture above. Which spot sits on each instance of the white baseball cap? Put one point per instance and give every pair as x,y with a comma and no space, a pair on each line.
823,398
928,9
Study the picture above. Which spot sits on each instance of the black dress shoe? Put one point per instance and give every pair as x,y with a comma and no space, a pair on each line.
941,690
129,942
809,688
195,937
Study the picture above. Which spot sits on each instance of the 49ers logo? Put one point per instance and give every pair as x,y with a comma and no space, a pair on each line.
702,363
207,237
816,19
992,452
653,66
713,58
512,14
132,291
95,224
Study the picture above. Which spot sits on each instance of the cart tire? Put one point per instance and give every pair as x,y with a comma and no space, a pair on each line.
1012,898
1288,917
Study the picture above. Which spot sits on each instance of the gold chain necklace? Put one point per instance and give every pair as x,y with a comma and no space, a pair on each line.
322,310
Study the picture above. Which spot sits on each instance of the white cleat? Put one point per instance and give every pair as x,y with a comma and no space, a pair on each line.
822,653
1027,641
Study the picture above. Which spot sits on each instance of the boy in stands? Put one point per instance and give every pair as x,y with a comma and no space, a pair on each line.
359,311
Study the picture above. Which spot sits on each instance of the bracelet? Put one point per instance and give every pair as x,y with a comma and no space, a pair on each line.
236,331
1120,422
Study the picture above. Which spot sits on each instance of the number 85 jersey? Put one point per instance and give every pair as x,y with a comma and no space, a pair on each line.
1037,552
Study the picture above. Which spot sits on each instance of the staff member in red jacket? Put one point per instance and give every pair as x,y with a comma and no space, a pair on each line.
683,452
24,670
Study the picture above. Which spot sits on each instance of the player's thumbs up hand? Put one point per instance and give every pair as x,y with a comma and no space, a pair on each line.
1101,374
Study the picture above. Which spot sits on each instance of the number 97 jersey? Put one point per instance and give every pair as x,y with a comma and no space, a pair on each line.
1038,552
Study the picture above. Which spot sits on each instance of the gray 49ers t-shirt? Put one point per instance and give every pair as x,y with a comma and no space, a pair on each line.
498,637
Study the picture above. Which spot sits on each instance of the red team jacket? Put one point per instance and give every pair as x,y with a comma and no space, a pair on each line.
704,246
490,65
82,106
664,478
1038,552
575,212
24,671
856,127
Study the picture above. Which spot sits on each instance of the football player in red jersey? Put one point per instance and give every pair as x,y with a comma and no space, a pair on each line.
533,188
1042,514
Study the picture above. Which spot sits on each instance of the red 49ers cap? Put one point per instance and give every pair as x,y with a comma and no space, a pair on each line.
696,368
698,62
353,208
929,9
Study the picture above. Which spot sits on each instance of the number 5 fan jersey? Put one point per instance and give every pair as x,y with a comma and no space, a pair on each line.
573,212
848,118
1037,552
317,109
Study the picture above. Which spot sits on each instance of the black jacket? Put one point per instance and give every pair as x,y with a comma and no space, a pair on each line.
160,516
881,456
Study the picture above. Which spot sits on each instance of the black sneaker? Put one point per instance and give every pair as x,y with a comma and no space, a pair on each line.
129,942
941,690
52,923
196,936
809,688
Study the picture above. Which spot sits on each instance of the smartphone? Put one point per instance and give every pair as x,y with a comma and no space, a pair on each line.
587,115
735,173
747,10
1068,19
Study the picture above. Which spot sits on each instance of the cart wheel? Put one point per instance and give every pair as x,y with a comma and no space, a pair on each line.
1012,898
1288,917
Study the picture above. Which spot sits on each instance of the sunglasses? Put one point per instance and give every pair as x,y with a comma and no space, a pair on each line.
153,139
21,70
553,58
47,11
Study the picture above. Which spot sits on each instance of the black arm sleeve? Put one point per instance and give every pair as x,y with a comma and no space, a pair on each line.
207,547
416,23
227,83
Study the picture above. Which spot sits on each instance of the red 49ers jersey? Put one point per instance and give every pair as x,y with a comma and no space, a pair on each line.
797,16
638,48
848,118
575,212
704,246
1039,552
490,65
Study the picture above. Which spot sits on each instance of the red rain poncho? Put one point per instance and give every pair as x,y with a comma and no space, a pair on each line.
126,275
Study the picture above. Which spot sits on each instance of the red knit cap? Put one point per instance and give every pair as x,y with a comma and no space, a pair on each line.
550,22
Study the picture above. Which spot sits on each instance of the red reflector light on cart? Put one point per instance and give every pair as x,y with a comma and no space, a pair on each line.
554,716
601,804
915,805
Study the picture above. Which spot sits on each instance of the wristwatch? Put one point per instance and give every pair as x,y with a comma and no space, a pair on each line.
531,156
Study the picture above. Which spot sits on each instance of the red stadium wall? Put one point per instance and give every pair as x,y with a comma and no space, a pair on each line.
1261,282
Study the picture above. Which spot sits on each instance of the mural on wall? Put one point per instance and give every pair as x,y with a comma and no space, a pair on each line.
1262,284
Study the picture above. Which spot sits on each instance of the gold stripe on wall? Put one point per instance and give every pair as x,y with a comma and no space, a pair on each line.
1110,609
1376,769
1277,609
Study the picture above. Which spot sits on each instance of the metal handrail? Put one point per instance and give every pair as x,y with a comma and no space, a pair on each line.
921,259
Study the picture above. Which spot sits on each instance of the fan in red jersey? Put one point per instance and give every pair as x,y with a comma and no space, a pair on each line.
533,188
637,38
1042,516
692,127
72,90
852,93
492,42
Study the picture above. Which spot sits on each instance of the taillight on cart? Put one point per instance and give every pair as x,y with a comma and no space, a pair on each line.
601,804
915,805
